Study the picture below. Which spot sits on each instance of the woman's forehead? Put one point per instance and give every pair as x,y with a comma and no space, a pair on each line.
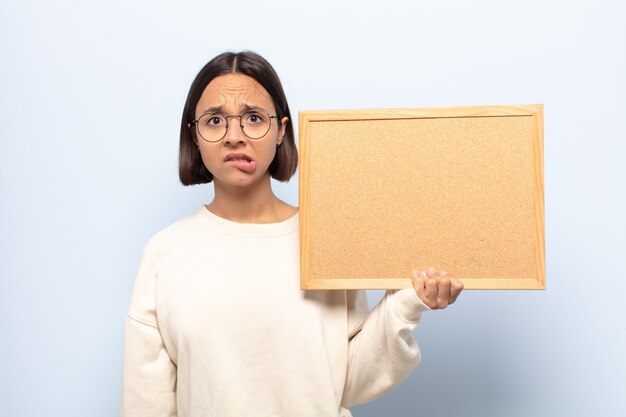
236,90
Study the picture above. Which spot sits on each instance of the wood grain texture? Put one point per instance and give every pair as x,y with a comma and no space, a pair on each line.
386,190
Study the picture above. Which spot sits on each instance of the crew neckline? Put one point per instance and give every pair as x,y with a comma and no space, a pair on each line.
231,227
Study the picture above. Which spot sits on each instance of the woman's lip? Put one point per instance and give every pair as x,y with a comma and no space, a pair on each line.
237,156
241,161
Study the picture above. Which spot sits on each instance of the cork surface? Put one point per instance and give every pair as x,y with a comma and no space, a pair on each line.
385,195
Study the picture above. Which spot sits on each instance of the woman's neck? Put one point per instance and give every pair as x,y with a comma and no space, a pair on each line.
249,204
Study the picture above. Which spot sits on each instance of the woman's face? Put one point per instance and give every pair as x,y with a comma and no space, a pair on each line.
237,160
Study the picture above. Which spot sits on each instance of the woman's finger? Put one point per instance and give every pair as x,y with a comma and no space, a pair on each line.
443,292
418,285
456,286
431,292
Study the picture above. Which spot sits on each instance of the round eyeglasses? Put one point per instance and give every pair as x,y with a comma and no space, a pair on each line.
212,127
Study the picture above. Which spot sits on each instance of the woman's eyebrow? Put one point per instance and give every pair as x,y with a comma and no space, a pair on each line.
245,107
248,107
214,109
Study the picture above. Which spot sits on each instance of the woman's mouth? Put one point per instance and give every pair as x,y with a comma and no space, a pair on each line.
240,161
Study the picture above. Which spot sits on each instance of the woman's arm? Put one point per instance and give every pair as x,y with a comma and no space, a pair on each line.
149,387
382,350
149,374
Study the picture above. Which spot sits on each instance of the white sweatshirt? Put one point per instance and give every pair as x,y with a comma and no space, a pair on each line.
218,326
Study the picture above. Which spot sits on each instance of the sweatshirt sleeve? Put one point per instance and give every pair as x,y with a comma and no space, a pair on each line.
149,386
382,351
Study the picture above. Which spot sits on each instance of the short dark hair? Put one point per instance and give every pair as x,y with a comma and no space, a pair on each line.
191,169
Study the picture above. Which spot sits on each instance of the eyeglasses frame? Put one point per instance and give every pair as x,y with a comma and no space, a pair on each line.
226,117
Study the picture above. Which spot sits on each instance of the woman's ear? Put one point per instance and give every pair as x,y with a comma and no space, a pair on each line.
193,137
281,129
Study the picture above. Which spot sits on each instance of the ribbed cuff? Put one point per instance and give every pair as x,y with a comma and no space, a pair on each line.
408,305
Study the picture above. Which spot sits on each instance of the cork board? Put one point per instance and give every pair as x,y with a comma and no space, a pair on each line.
460,189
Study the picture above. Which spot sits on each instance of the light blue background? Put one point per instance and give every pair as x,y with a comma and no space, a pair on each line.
90,105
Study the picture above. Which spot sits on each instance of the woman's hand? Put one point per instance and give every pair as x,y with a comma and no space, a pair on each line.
436,289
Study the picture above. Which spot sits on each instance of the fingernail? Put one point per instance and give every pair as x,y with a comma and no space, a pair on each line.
414,273
423,273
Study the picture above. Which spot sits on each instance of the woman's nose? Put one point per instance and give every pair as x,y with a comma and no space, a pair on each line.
234,134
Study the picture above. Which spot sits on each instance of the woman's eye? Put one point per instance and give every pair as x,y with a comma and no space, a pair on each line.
214,121
254,118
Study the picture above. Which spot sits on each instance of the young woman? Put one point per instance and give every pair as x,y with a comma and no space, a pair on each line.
217,324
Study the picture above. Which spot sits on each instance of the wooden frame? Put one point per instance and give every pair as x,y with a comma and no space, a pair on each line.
460,188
